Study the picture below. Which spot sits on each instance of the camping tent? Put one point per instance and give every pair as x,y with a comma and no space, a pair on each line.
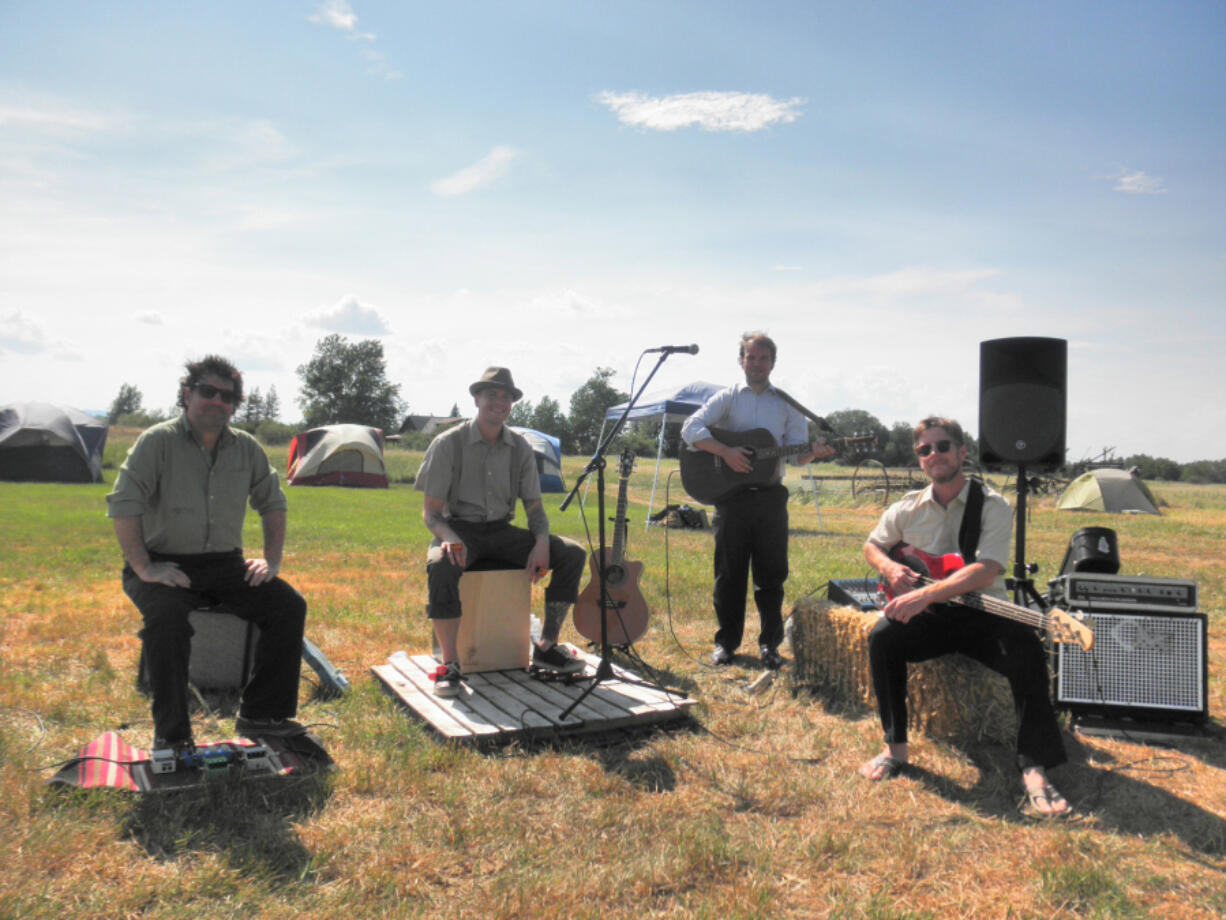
1116,491
338,455
548,450
41,442
670,405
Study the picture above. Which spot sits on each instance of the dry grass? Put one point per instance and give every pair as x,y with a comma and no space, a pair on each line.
757,813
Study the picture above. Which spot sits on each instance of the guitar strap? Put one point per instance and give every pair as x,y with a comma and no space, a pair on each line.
822,424
972,522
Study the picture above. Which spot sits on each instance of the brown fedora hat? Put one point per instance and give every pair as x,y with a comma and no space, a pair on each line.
498,377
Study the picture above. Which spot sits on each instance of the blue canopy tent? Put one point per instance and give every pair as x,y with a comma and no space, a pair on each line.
674,404
548,450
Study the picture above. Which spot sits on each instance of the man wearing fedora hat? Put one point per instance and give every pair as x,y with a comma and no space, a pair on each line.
472,476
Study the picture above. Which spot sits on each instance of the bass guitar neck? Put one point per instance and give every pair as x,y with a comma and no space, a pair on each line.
1060,625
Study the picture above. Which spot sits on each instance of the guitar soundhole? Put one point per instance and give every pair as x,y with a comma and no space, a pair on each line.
614,575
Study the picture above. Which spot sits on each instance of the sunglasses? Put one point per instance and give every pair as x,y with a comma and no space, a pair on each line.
208,391
940,447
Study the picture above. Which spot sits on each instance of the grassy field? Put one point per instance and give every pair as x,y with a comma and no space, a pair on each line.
755,812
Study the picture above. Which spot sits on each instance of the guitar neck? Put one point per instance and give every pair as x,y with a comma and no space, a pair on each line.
995,606
618,552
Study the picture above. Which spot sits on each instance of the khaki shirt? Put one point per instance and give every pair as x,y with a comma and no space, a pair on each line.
920,520
190,502
479,481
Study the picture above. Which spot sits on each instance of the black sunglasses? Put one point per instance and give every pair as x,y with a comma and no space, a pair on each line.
208,391
940,447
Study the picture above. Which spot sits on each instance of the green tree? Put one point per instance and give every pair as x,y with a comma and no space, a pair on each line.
253,409
549,418
587,409
127,402
272,405
347,383
521,414
1154,467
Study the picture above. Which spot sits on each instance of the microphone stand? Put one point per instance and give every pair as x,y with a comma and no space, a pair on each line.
597,464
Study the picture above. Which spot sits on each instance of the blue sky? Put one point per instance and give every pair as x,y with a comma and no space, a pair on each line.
557,186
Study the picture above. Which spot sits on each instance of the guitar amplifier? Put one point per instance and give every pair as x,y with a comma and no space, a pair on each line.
1143,666
1095,591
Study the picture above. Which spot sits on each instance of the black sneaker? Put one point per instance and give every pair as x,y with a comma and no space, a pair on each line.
447,679
272,728
721,656
556,659
771,659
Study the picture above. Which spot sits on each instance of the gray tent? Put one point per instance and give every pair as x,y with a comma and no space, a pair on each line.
41,442
1115,491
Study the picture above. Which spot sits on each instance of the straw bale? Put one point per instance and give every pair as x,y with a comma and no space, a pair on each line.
950,697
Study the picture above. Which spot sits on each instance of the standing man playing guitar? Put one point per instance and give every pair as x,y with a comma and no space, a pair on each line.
919,623
751,525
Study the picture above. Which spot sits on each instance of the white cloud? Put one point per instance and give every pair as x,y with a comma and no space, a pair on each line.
711,111
349,315
1136,182
19,333
150,318
492,167
335,13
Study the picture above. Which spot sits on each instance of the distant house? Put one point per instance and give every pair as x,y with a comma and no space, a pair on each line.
427,424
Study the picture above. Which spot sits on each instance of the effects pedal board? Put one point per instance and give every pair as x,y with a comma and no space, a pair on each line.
212,758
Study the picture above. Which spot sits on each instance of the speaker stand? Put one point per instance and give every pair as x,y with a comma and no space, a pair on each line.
1021,584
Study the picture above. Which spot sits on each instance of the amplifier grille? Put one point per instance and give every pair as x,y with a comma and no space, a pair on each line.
1138,662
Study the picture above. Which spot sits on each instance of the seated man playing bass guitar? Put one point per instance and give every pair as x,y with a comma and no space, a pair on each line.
956,514
751,525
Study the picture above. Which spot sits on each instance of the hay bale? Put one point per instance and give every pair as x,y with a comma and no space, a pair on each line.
950,697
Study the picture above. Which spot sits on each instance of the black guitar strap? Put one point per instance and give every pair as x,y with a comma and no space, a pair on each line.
822,424
972,522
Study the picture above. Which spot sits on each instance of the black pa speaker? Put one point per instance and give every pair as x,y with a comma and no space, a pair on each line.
1022,401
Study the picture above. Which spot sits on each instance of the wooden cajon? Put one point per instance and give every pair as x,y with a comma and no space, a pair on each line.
494,625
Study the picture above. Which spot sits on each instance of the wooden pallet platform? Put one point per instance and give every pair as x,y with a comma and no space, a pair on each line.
499,706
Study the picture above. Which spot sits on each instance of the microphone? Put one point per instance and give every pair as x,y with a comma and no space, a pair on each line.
674,349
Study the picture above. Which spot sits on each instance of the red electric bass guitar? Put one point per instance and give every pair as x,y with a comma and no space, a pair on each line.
1061,626
627,614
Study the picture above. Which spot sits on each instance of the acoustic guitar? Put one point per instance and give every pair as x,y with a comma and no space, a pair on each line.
708,479
1061,626
627,612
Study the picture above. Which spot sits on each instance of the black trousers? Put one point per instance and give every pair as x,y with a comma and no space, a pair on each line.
217,578
499,541
1008,648
751,533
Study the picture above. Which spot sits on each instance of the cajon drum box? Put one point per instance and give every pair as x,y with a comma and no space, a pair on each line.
494,626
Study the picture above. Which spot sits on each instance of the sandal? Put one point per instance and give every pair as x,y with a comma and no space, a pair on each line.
1046,802
888,766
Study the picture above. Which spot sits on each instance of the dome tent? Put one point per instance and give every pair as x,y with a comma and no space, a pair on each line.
1111,490
548,450
338,455
42,442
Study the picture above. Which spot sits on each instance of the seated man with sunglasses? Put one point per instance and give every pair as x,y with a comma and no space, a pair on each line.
918,624
177,509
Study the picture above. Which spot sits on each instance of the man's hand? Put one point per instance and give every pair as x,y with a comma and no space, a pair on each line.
905,606
455,551
538,560
259,571
163,573
739,459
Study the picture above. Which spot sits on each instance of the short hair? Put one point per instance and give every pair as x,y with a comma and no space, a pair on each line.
952,428
758,338
216,366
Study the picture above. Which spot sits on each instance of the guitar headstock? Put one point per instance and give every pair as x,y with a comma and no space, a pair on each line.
1065,627
625,465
